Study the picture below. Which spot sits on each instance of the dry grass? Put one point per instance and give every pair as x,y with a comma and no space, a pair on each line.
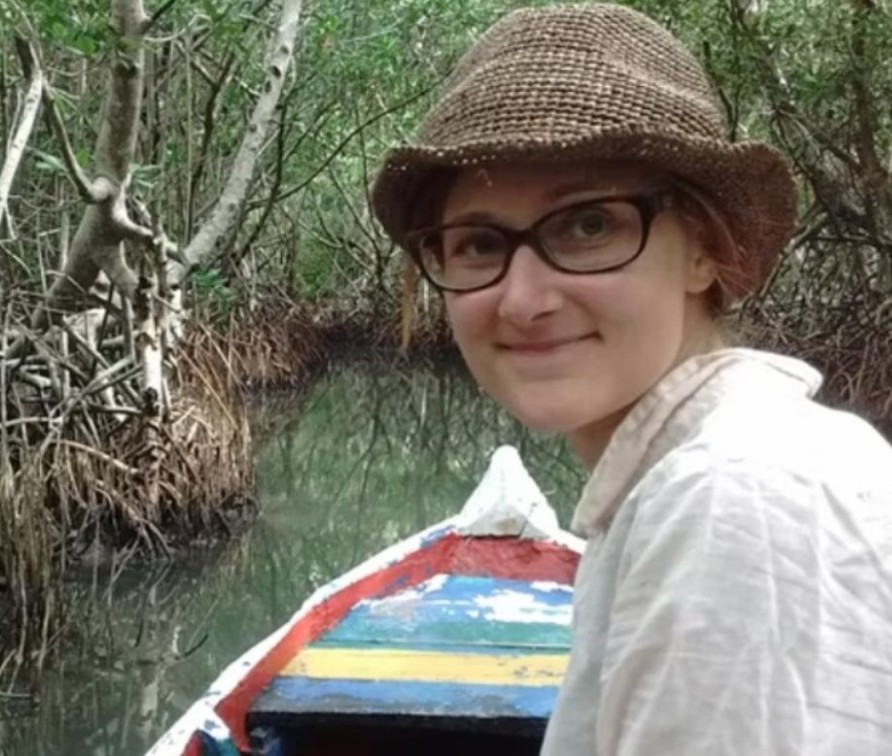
276,343
29,582
123,483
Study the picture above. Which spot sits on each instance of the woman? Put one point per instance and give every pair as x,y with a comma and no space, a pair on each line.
574,196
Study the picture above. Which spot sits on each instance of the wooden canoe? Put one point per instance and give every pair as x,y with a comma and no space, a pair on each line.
455,639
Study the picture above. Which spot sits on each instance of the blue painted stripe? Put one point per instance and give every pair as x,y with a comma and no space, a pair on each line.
464,611
301,695
478,647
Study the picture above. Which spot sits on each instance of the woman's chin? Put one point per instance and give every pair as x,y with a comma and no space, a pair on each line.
548,419
571,419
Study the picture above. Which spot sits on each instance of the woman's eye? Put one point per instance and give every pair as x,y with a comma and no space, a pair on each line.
479,245
590,224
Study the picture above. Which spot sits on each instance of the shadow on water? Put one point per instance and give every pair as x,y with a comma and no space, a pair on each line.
368,456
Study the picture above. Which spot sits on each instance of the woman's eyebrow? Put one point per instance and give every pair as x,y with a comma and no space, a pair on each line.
577,187
472,216
554,194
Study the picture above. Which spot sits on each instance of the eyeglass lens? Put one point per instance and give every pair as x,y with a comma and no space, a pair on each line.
583,238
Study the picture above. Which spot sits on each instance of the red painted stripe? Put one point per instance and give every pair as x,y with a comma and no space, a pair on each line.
514,559
193,747
452,554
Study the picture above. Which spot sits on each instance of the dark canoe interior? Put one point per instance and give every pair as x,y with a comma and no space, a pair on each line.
345,738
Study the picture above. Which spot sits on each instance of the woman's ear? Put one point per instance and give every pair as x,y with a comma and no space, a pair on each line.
702,270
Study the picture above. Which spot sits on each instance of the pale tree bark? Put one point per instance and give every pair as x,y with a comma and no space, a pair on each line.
86,391
29,111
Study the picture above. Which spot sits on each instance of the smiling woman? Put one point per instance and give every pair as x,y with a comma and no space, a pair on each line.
571,353
575,197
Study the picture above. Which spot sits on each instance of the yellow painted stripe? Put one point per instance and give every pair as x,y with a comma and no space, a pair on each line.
427,666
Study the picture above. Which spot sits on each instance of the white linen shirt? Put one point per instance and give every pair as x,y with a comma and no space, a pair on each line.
735,595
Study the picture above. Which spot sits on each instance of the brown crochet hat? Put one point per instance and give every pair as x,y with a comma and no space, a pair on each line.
594,81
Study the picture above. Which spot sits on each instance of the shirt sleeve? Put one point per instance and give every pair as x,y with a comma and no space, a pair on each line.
731,631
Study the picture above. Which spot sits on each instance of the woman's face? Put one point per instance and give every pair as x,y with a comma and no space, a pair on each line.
571,353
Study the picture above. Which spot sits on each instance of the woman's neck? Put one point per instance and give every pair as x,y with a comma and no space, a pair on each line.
589,443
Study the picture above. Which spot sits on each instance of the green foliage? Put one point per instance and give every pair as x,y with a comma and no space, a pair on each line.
80,27
50,163
317,274
213,292
787,71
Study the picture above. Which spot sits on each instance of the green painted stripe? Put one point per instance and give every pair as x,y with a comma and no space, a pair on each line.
462,611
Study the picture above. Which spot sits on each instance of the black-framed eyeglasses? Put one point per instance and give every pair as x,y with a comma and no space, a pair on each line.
595,236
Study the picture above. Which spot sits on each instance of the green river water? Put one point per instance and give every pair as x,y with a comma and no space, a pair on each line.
370,455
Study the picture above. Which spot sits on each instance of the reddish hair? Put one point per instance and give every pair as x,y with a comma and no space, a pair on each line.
733,281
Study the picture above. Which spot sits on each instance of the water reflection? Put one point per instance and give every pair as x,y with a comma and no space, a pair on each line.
369,456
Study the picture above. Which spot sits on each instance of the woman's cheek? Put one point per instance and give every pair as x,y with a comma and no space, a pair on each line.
470,318
612,299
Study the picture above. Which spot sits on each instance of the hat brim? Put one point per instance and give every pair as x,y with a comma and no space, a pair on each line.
751,183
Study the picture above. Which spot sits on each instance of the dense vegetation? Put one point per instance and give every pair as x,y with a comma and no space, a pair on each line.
302,252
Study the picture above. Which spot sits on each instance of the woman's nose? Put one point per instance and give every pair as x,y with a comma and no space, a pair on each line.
528,290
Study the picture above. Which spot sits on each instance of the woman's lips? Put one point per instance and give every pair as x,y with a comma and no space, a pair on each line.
544,345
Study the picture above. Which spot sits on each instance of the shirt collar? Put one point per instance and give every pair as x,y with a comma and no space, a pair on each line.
668,413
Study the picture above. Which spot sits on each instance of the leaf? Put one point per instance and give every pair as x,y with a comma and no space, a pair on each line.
49,163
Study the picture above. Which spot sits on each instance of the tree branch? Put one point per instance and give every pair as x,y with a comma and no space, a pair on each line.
273,192
208,125
80,179
820,161
350,136
229,206
33,98
875,176
156,16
